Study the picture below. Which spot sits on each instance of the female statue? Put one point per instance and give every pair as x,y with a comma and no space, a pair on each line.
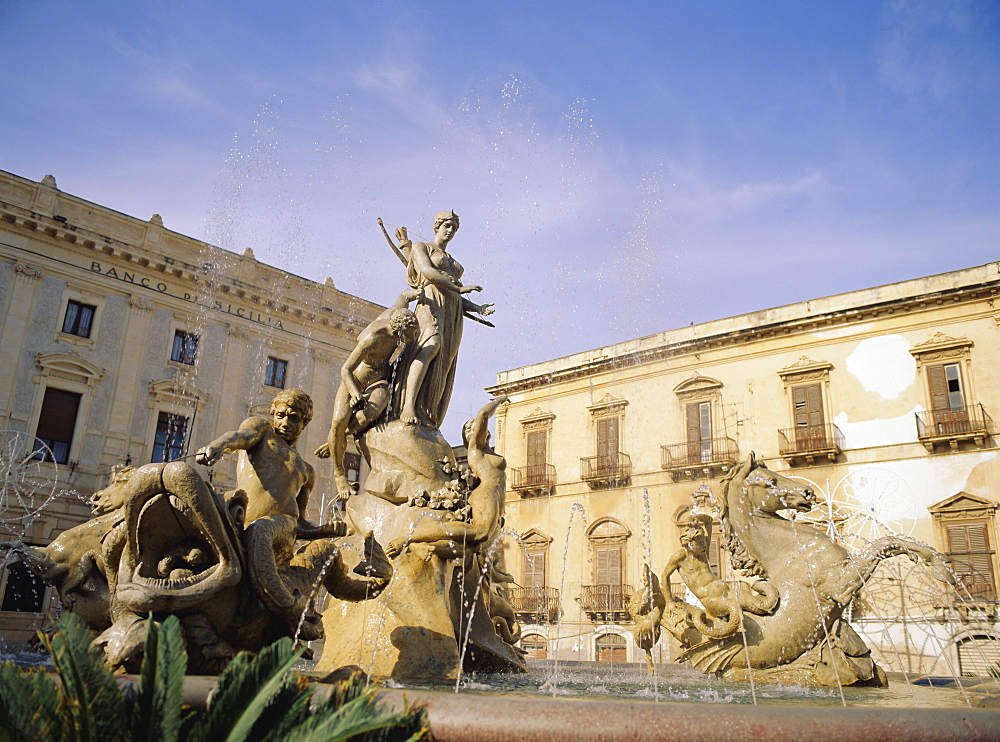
429,364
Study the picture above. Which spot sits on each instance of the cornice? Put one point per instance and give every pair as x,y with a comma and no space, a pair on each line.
538,418
303,300
607,404
941,346
805,369
789,328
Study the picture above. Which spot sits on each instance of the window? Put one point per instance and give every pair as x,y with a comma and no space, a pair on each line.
716,554
607,445
168,442
79,319
352,464
611,467
534,568
56,423
807,408
972,559
537,457
275,372
699,432
537,477
611,648
978,654
535,646
185,348
947,398
608,564
23,591
608,597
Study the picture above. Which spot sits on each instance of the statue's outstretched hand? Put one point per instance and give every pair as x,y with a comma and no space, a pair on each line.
470,288
486,310
401,234
208,455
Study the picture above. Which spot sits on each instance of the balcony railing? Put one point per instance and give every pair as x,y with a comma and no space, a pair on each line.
533,480
606,471
606,602
535,604
809,442
694,458
953,426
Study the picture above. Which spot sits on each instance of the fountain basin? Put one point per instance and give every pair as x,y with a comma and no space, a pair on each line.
494,708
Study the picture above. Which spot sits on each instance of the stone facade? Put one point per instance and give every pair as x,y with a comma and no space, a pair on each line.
883,398
161,341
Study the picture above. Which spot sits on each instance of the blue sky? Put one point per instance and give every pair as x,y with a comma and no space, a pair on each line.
619,170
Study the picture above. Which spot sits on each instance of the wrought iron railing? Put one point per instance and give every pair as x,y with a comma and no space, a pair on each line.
718,451
605,599
971,420
613,468
809,438
535,603
538,476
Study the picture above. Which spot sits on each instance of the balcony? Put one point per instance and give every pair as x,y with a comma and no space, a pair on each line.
535,604
606,602
806,443
699,459
606,471
533,481
939,428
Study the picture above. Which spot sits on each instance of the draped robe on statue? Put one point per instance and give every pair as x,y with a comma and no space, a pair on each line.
438,313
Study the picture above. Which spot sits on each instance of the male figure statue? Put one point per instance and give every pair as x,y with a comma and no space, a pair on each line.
691,561
364,391
277,482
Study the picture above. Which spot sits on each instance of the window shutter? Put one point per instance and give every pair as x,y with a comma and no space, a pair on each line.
938,387
58,416
609,564
607,437
534,569
808,403
972,559
536,441
693,423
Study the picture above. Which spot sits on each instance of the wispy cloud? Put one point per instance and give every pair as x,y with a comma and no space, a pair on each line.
926,46
700,196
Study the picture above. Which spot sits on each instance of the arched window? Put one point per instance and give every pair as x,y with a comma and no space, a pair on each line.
607,598
610,648
535,646
978,654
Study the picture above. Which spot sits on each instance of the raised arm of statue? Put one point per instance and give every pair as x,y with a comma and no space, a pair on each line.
247,436
477,432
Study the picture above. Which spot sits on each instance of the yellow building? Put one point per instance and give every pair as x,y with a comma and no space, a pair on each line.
122,342
882,398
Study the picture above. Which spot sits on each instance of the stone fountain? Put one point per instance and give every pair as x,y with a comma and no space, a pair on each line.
244,567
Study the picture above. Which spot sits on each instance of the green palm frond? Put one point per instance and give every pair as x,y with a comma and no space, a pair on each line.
29,700
288,708
245,689
91,704
361,719
257,698
157,710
